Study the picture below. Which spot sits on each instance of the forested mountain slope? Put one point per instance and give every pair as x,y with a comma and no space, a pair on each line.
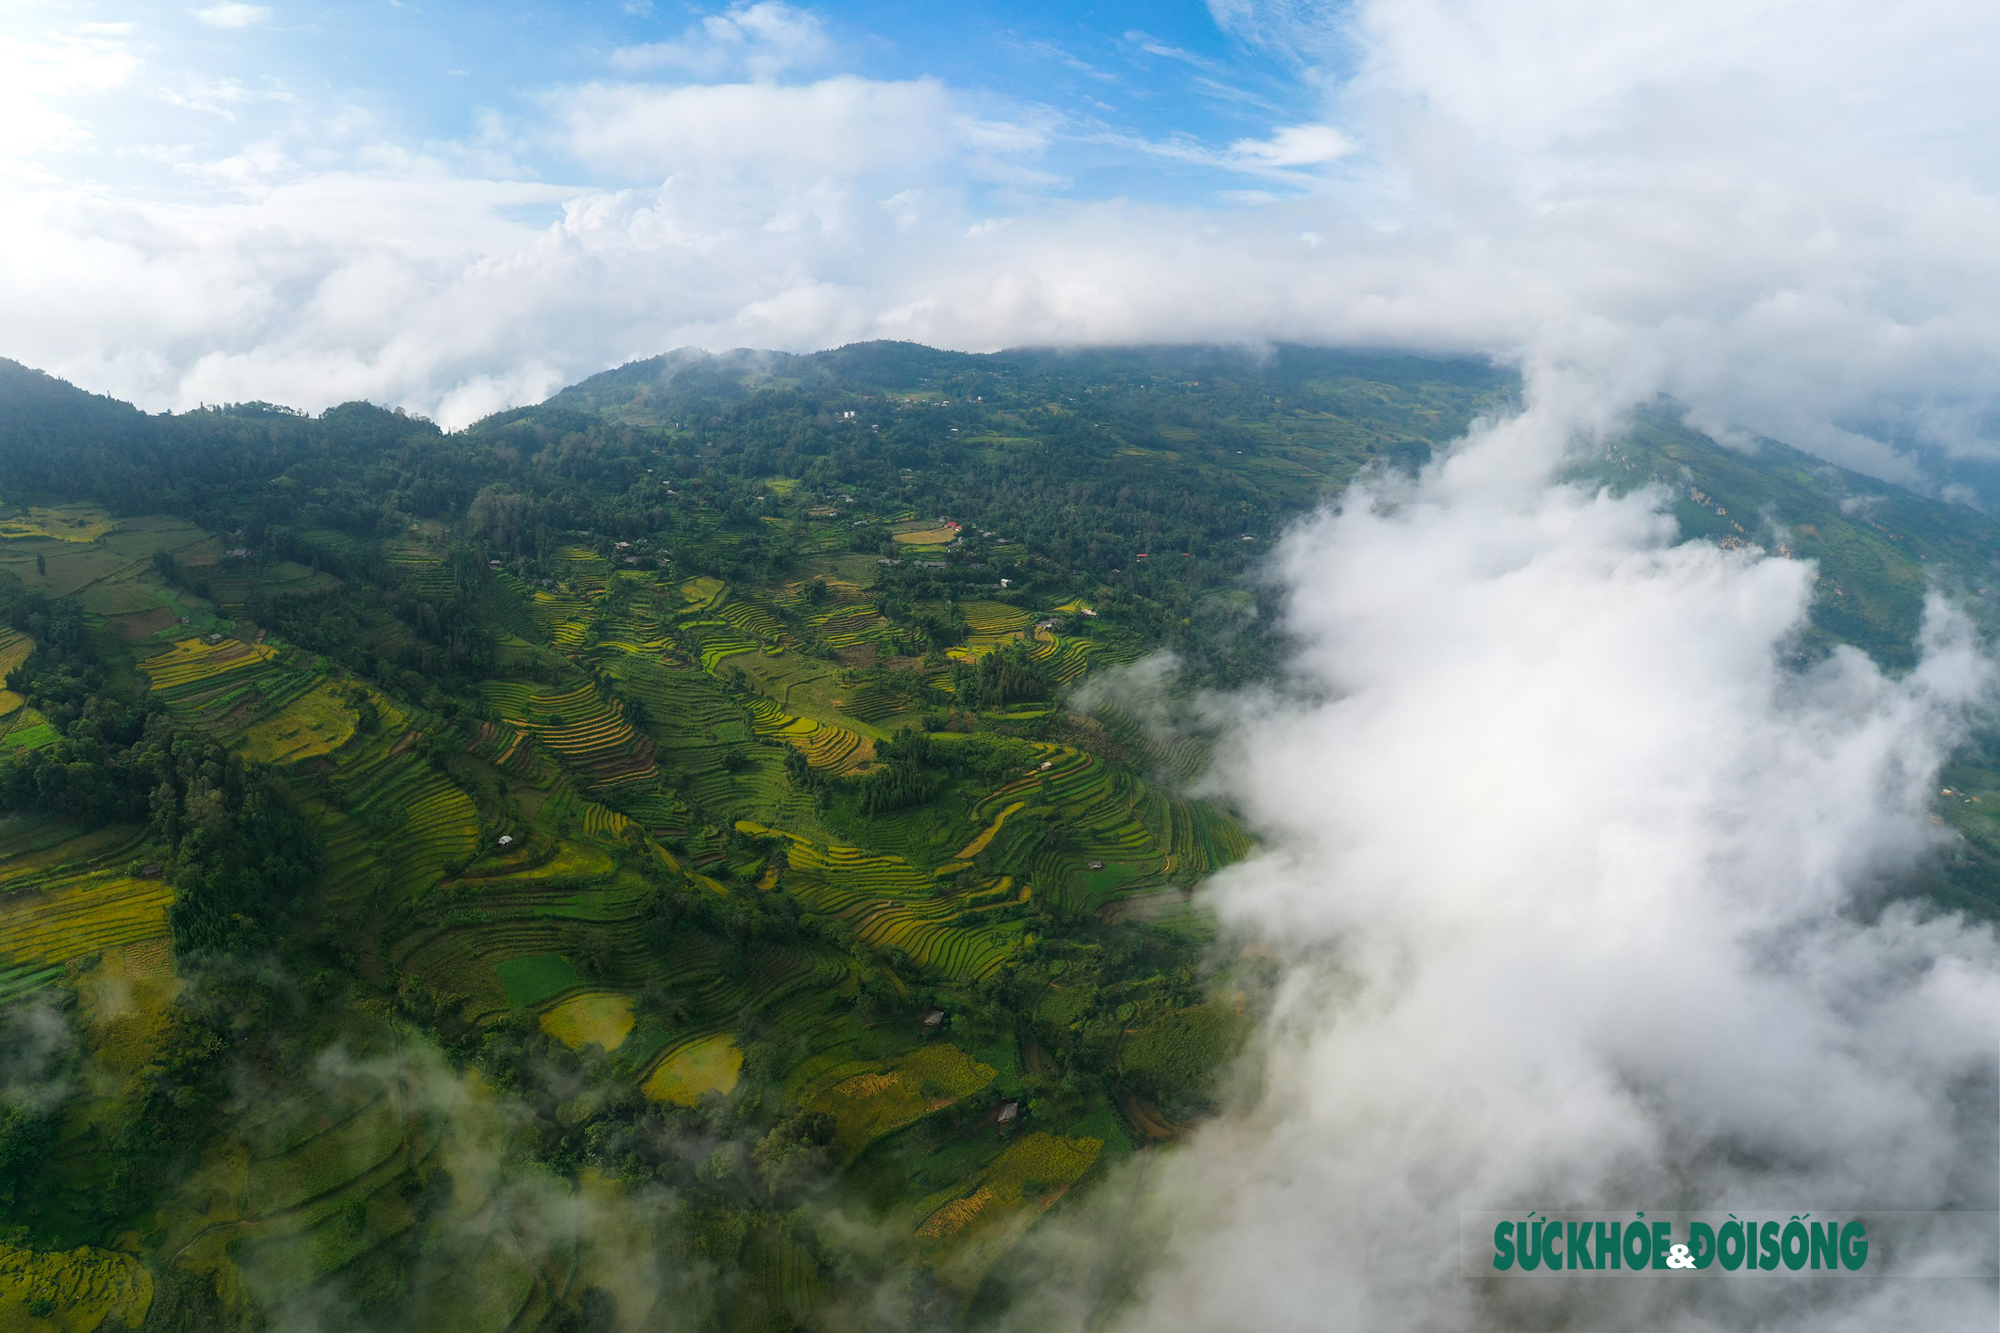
631,863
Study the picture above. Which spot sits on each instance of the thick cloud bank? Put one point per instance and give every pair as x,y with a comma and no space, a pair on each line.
1575,880
1780,213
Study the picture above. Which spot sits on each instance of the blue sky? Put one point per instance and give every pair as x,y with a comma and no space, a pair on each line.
1139,101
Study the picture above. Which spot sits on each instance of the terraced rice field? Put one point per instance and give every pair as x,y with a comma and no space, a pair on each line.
595,1017
37,849
993,623
511,962
715,640
928,535
537,978
692,1071
25,729
584,568
868,1102
850,625
513,595
517,931
967,1233
228,686
316,723
66,523
1066,658
1136,834
604,823
195,662
421,567
638,633
14,649
393,810
587,730
979,844
91,1289
871,703
804,686
101,560
1182,758
591,734
785,1268
892,904
504,746
65,915
835,749
755,784
1049,1161
288,1174
1200,839
755,619
61,525
683,708
703,595
326,1183
549,610
26,979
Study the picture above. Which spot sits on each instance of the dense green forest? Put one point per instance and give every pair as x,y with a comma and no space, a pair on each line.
639,861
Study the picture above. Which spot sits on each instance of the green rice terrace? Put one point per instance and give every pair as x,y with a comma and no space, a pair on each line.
643,861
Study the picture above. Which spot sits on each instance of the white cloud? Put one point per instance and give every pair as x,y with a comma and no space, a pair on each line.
764,40
1299,30
219,300
220,96
233,15
1285,157
1779,214
838,127
1294,146
1572,884
1773,205
39,72
1153,46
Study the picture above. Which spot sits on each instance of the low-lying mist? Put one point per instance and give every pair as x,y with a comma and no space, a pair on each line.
1581,877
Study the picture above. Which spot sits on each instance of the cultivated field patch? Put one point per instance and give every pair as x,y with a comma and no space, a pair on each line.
867,1104
931,535
66,523
1024,1181
710,1064
68,900
536,979
192,661
979,844
313,724
598,1017
75,1291
14,649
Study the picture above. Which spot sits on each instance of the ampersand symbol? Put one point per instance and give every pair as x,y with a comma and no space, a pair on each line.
1678,1257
